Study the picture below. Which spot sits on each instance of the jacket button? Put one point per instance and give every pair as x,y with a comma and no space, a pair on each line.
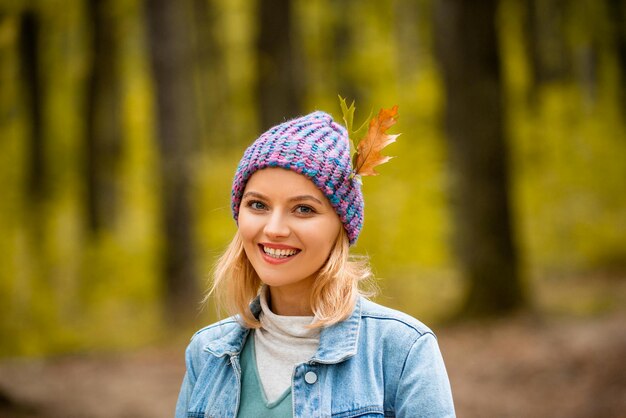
310,378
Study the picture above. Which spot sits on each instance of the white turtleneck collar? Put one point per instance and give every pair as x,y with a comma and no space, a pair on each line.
281,343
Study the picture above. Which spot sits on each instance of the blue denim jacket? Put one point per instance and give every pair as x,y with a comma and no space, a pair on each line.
378,362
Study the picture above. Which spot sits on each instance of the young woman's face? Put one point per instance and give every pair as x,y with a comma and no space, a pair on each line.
288,227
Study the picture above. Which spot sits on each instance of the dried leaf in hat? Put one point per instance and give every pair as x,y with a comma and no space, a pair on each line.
369,148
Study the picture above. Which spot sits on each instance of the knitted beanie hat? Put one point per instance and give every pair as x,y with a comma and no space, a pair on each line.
317,147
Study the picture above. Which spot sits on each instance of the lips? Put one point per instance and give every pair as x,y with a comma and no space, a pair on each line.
277,253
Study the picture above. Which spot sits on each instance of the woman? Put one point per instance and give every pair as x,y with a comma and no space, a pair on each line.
303,341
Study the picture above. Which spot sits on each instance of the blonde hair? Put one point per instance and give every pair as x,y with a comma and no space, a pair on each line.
334,293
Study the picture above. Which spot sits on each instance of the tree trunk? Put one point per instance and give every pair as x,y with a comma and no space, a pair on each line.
342,49
104,133
467,48
546,48
617,14
279,74
170,45
30,27
211,92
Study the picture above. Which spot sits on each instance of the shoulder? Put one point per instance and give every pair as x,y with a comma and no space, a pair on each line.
213,341
217,330
404,340
223,336
414,373
392,320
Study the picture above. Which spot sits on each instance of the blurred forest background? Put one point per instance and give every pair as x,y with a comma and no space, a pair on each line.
122,122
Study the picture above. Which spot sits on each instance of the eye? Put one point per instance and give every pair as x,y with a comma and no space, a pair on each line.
256,205
304,210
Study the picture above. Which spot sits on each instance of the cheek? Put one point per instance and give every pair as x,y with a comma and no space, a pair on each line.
324,236
247,228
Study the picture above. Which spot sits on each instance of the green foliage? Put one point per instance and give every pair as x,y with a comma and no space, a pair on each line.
348,120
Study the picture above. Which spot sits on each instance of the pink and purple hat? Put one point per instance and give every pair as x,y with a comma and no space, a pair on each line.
317,147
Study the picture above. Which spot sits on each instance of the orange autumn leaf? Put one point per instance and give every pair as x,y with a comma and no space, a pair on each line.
369,149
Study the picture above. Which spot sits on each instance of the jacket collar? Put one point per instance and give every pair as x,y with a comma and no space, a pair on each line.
337,342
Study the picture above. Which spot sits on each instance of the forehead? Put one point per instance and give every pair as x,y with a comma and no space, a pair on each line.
280,181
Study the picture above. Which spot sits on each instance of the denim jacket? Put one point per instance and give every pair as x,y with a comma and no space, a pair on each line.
377,362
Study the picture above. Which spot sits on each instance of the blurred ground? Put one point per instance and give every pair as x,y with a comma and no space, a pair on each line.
573,368
525,367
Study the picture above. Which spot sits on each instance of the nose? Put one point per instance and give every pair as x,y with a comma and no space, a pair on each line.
277,226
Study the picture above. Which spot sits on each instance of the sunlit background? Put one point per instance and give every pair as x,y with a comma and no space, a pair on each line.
122,122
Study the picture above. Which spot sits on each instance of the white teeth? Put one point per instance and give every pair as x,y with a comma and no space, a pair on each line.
279,253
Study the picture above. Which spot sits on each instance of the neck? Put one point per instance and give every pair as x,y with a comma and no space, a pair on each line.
289,301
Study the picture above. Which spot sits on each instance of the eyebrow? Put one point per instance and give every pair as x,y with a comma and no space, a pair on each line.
305,197
299,198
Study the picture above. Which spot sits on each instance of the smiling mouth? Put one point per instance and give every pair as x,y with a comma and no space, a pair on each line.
279,253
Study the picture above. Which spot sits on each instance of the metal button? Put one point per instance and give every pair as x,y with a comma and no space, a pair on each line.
310,378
